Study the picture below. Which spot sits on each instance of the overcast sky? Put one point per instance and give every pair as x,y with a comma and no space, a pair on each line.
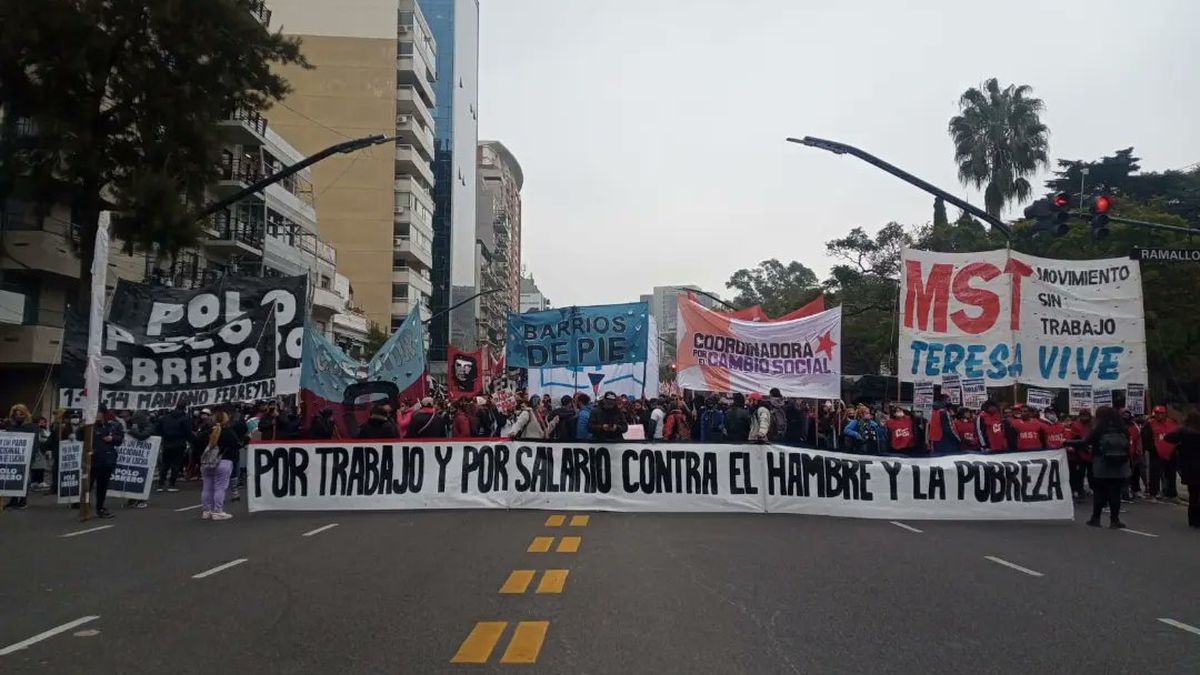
651,132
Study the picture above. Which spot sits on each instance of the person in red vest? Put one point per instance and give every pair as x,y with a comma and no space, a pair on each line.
964,426
943,439
901,436
1024,432
1163,462
1079,458
990,428
1053,430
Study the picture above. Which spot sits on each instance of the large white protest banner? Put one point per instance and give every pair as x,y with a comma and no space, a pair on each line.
1010,317
16,452
134,473
657,477
70,462
801,357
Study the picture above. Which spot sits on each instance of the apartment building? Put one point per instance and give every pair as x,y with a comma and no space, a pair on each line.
498,236
375,70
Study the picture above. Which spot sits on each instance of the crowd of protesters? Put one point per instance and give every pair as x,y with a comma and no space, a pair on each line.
1113,456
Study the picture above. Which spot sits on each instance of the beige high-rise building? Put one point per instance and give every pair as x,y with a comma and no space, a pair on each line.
498,236
374,74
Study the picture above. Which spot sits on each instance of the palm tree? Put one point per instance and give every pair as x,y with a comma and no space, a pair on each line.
999,140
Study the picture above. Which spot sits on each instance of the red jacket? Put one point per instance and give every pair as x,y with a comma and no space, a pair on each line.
1077,430
1159,429
900,433
461,426
966,431
1028,433
1055,433
992,429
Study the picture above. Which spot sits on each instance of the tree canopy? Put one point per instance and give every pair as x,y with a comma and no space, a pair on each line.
113,104
777,287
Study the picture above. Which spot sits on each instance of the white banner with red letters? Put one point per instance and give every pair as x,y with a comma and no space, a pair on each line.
1010,317
633,476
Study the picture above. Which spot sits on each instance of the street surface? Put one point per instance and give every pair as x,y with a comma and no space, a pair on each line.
467,592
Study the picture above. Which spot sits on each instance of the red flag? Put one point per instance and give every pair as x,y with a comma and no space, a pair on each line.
815,307
464,376
756,313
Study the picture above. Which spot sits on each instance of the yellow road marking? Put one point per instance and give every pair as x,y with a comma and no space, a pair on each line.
540,544
518,581
478,646
580,521
526,642
552,581
568,544
555,521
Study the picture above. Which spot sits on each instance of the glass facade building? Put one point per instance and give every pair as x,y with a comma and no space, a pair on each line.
455,28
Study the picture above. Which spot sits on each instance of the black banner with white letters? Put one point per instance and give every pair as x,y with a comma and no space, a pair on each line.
226,362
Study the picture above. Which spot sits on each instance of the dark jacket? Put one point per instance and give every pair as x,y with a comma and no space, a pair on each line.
564,428
602,416
1102,468
1187,452
321,428
272,427
712,427
230,443
104,453
140,426
737,424
378,426
427,423
175,428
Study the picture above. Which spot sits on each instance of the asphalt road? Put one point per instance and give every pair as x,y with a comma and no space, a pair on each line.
420,592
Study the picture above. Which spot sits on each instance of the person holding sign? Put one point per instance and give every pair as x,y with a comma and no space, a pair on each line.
19,422
107,437
1109,443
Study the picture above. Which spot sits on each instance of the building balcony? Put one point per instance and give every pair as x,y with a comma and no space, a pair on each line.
411,250
244,127
417,68
412,100
414,279
233,236
410,162
259,11
236,173
412,132
407,185
326,303
30,344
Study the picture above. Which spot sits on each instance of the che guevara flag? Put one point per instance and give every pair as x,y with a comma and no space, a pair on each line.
801,357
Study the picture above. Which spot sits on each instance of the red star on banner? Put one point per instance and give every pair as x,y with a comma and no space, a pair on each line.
826,344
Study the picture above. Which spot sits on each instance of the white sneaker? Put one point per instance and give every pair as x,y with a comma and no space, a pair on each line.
221,515
206,515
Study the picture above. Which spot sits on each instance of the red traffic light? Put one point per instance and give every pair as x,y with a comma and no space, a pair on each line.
1102,204
1061,200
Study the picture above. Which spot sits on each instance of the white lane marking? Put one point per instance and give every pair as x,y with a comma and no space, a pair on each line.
1140,533
319,530
1026,570
1181,626
902,526
219,568
91,529
17,646
188,508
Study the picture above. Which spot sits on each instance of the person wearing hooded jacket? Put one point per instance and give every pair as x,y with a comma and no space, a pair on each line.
107,436
607,422
378,426
1109,472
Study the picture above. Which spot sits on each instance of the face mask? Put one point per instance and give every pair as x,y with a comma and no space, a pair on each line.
1052,418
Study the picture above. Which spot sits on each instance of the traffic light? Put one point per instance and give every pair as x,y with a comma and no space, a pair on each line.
1099,222
1050,214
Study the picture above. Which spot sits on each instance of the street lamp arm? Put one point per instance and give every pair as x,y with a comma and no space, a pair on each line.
843,149
344,147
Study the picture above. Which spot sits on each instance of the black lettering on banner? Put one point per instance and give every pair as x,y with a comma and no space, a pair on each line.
339,472
1054,483
796,485
323,453
739,474
775,475
916,483
893,470
442,462
966,474
813,467
602,460
627,458
387,469
937,483
524,482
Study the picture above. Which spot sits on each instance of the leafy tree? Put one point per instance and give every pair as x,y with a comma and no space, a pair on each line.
777,287
939,213
1177,192
376,336
113,104
999,141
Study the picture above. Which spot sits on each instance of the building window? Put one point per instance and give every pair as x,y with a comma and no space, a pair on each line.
400,292
31,288
20,215
326,282
405,48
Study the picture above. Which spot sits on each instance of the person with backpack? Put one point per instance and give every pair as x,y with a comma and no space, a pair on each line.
676,426
1109,443
760,419
563,420
737,420
712,421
